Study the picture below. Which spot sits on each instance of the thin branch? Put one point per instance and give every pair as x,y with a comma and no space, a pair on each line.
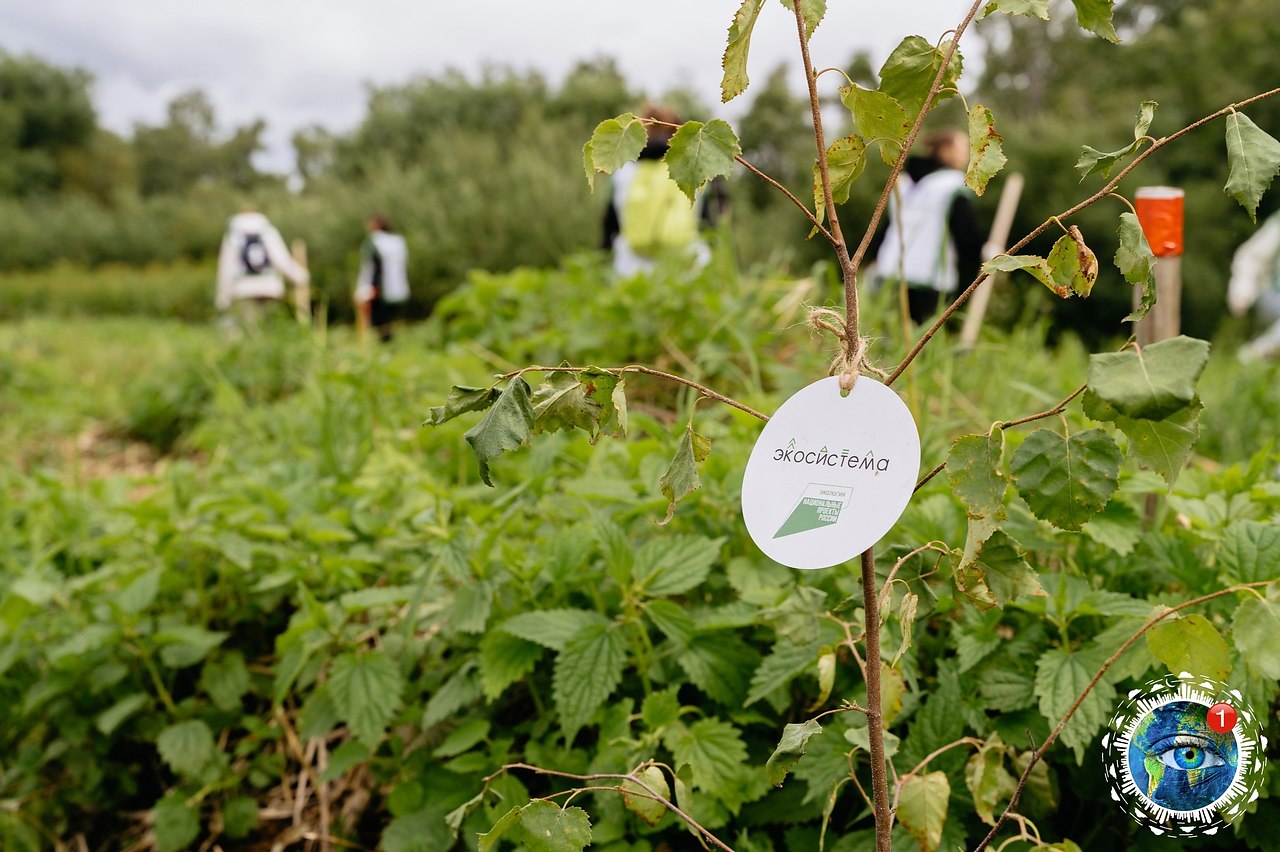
930,475
973,741
1048,412
1053,736
1106,190
608,776
875,724
893,572
796,201
815,107
648,371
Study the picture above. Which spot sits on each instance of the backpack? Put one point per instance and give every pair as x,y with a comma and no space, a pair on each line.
656,215
253,255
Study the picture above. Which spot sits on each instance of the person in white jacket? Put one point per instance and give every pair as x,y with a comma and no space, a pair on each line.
1255,283
251,262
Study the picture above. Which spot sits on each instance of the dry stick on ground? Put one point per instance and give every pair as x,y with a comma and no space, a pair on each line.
1053,736
1106,190
604,776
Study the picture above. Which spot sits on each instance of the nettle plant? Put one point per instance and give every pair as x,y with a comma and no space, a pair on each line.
1145,394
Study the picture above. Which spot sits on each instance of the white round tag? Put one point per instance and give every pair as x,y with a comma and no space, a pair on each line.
830,474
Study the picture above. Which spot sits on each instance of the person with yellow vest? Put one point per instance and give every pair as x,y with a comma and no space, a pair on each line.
649,217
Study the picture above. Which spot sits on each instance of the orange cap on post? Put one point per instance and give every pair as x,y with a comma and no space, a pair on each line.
1160,214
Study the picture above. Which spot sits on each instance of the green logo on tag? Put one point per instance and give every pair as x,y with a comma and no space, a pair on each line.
819,506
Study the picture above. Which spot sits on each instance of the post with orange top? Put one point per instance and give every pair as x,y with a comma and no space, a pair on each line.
1160,214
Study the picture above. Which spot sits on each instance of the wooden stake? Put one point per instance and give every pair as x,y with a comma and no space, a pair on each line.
301,292
998,240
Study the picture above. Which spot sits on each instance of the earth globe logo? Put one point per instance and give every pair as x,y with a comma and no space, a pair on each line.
1184,755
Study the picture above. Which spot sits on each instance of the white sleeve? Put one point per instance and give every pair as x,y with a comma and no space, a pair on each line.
1253,265
281,259
227,263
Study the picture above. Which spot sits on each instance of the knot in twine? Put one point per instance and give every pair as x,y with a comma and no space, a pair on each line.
851,359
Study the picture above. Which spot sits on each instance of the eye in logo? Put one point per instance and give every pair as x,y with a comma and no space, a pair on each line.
1184,754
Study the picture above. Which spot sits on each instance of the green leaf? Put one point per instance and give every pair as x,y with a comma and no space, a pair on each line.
860,736
176,826
642,805
366,689
1150,383
115,715
681,478
699,152
795,739
908,73
1253,158
1092,160
1060,678
906,618
463,738
1073,265
562,404
225,679
1250,552
508,821
1066,481
553,829
457,692
735,80
718,666
505,659
187,645
614,142
986,156
987,779
1190,644
1117,527
460,401
846,158
1146,113
1005,571
813,10
922,807
239,817
609,392
1163,445
672,619
973,471
782,666
1136,263
506,426
319,715
1095,16
1256,629
714,751
552,628
1007,691
1030,8
673,565
660,709
877,118
186,747
587,672
343,759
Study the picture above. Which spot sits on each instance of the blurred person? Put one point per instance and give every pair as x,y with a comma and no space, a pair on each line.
649,216
933,239
251,260
1255,283
382,284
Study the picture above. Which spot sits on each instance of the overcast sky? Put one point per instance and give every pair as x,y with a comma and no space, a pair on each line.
299,62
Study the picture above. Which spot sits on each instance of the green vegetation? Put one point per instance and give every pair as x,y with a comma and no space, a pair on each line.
312,585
